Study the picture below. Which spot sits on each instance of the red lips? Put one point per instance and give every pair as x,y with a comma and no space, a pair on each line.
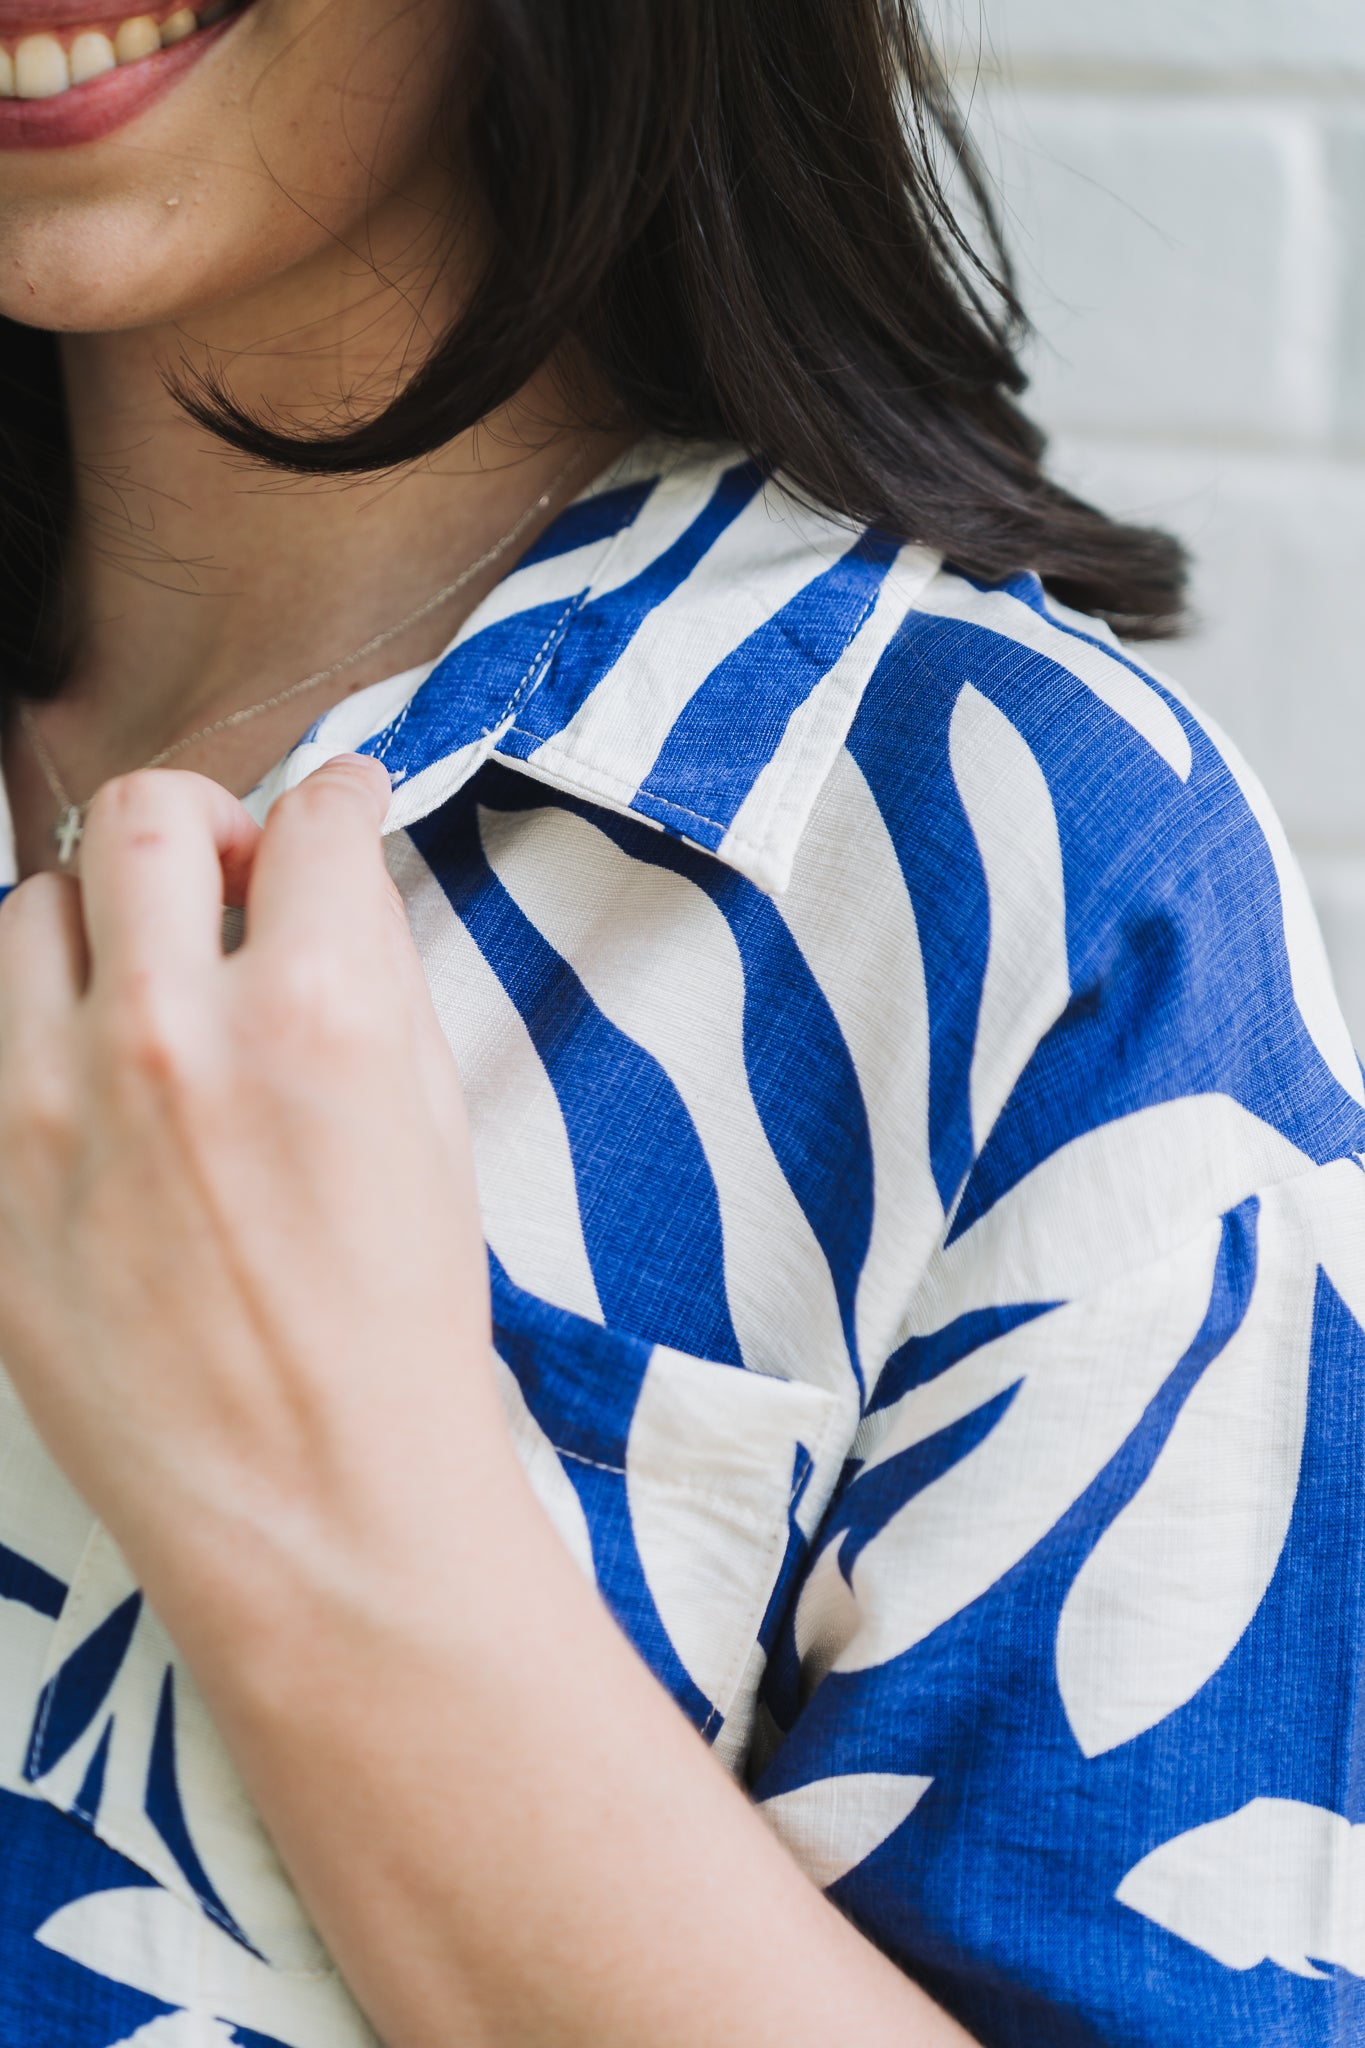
85,113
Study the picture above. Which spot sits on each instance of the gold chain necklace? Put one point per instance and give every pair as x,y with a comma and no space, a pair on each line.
70,824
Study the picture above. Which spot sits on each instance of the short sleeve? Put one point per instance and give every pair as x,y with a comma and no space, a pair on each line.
1063,1711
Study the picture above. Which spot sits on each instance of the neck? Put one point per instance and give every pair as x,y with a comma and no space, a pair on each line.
199,582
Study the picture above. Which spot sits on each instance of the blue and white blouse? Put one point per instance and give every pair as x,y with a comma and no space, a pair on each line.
921,1158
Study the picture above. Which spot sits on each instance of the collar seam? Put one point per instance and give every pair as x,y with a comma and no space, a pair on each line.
578,603
542,659
544,655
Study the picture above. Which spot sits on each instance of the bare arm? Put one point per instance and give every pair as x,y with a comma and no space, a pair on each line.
242,1291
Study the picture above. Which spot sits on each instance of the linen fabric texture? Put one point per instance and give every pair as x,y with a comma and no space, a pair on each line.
921,1160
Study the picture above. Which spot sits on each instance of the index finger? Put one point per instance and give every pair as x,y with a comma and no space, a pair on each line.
161,853
320,866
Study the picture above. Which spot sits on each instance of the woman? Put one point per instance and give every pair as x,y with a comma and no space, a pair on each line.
874,1026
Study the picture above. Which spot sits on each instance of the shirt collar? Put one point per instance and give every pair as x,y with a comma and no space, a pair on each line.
686,643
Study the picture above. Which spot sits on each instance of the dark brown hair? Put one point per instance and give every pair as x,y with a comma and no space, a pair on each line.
736,210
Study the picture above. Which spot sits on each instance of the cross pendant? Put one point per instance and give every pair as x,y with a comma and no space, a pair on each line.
67,832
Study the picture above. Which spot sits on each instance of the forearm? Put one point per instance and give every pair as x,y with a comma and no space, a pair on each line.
504,1828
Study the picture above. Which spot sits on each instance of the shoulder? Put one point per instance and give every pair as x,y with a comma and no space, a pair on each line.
1017,717
1107,918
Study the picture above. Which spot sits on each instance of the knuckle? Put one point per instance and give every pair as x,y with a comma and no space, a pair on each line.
148,1036
145,806
129,810
337,797
34,900
124,796
37,1110
317,797
314,1003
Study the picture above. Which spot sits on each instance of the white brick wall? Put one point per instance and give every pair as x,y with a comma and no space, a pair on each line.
1184,182
1218,39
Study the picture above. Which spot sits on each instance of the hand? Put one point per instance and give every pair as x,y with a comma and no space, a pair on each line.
243,1288
243,1295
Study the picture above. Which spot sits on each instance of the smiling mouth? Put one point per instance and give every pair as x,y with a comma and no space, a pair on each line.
44,64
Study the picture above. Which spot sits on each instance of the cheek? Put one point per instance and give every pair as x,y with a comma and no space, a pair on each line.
308,134
350,105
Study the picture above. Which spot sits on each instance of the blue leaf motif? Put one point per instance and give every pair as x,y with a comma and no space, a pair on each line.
74,1695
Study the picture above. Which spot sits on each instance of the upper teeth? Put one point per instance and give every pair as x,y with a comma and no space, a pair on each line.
40,66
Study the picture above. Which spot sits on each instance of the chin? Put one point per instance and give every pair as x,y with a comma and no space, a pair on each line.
105,265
